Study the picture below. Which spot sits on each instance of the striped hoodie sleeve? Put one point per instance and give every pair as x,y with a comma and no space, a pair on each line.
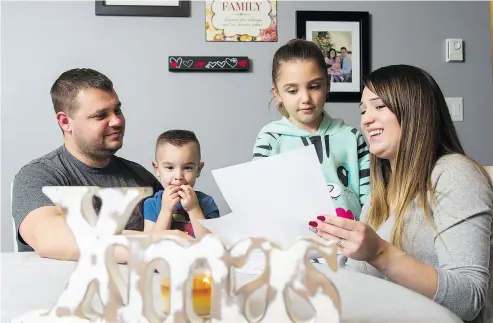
264,145
364,168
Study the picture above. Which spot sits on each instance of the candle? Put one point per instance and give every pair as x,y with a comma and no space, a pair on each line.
201,294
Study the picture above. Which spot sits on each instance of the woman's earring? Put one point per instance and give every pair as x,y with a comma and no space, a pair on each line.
279,105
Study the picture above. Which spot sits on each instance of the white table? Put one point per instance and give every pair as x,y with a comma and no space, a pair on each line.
29,283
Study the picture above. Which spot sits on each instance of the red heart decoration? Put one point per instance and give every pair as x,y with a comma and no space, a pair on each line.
243,63
345,214
174,64
199,64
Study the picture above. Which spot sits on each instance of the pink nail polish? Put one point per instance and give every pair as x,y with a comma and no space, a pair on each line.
313,224
321,218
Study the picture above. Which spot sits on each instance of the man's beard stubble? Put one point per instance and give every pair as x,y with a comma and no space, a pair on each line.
96,153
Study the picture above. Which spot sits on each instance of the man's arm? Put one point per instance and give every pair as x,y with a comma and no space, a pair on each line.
30,203
46,231
42,225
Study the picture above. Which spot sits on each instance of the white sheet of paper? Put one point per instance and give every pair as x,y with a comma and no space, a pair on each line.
273,197
255,264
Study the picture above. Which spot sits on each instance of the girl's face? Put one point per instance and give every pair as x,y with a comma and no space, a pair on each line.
302,87
338,59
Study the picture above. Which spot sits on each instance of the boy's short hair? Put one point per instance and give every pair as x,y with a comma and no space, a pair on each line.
177,138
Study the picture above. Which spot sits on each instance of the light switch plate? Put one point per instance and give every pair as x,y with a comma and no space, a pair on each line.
456,108
454,50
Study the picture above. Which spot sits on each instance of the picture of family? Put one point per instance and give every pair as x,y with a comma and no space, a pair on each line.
336,46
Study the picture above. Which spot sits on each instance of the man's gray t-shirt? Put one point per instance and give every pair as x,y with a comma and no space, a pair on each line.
60,168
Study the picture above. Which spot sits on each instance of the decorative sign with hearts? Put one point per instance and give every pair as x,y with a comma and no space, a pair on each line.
208,64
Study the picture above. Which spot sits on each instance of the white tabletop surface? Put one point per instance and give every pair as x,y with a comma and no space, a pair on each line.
29,283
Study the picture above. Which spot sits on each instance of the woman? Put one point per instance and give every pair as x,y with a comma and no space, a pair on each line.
428,223
331,57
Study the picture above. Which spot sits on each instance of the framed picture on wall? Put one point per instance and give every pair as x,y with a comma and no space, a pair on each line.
241,21
344,37
152,8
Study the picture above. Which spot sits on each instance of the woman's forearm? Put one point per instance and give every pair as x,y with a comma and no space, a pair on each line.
406,270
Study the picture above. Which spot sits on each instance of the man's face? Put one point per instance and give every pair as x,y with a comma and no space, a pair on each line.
343,52
97,125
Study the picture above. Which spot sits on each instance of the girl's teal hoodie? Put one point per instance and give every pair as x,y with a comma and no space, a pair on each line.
341,150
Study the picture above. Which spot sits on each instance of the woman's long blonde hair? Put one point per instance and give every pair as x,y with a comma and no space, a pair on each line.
427,133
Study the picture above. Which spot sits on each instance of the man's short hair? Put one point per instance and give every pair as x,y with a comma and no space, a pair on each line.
343,48
177,138
70,83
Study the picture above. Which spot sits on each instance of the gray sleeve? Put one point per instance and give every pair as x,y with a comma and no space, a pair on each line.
463,219
26,191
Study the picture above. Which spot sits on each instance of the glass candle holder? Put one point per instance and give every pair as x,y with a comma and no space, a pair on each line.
201,294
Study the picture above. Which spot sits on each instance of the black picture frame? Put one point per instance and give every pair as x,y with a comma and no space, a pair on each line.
345,87
182,10
208,64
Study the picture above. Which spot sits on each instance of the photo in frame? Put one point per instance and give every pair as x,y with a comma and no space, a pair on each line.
344,38
241,21
151,8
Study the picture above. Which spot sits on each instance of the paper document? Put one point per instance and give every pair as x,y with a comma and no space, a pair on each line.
273,197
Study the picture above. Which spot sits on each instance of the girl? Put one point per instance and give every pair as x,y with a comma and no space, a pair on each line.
335,70
331,56
300,84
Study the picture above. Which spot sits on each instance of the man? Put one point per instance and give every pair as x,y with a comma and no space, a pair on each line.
346,65
90,116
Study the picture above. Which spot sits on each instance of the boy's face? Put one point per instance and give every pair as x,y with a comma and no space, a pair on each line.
178,165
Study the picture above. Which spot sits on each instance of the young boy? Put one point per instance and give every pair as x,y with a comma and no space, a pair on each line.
177,164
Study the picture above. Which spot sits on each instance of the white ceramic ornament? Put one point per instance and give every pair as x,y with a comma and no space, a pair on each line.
288,273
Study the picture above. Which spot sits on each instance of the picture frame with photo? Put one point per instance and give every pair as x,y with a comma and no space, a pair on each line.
344,37
150,8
